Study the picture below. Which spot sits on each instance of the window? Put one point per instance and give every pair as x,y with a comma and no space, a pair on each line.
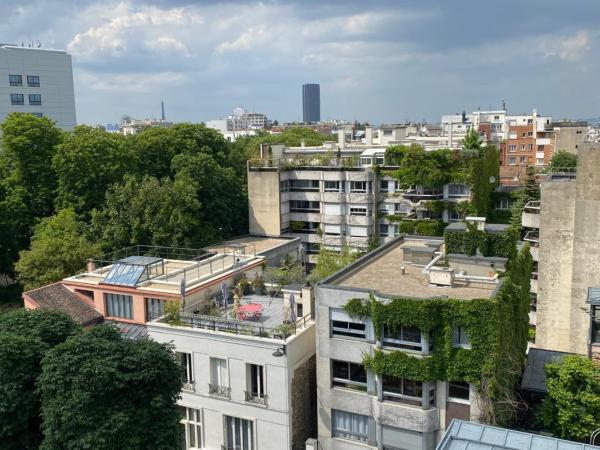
384,186
579,132
522,147
304,185
17,99
383,229
332,186
512,160
524,134
460,338
458,190
408,338
191,433
504,203
358,210
496,117
86,293
357,231
219,381
595,324
358,186
458,390
402,390
255,384
37,114
118,305
530,147
349,425
398,439
539,161
522,159
187,371
303,206
512,148
530,134
343,325
454,216
239,434
15,80
284,186
155,308
33,81
332,230
35,99
348,375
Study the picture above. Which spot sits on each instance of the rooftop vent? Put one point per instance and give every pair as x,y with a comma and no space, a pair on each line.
441,276
479,221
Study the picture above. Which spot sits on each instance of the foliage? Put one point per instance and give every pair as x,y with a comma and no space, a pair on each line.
59,249
421,227
149,212
572,408
562,159
282,276
127,389
328,262
472,140
497,330
485,167
86,163
489,244
173,312
47,326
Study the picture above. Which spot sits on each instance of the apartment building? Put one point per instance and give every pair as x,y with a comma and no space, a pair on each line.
322,199
134,126
37,81
247,384
566,238
362,409
132,285
569,135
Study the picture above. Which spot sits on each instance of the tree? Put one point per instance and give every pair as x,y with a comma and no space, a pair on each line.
59,249
149,212
28,144
24,338
86,163
562,160
15,224
572,408
471,140
484,168
104,392
328,262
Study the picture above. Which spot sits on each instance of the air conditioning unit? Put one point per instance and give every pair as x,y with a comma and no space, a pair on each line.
479,221
441,276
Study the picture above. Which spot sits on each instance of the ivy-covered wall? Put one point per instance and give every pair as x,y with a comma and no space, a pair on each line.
489,244
421,227
497,329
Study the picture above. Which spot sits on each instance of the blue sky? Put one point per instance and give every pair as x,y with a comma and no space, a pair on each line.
378,61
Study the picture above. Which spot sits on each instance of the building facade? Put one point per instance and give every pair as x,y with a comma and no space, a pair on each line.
37,81
311,103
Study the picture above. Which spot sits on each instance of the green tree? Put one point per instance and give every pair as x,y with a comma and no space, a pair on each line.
59,249
471,140
484,168
15,224
28,144
149,212
86,163
562,159
572,408
104,392
25,336
328,262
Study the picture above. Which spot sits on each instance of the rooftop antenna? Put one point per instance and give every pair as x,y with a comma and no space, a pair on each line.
162,110
503,105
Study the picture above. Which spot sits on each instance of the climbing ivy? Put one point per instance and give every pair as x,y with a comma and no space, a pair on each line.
489,244
420,227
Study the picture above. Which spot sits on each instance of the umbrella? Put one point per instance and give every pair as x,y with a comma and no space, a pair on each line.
224,292
292,302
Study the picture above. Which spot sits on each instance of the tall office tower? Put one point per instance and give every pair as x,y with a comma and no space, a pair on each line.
311,103
37,81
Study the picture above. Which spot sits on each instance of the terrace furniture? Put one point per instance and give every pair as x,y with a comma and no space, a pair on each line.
250,311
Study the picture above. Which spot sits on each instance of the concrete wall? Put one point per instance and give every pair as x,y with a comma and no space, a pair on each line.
264,214
568,139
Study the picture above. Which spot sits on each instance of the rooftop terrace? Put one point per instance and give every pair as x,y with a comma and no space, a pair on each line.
382,271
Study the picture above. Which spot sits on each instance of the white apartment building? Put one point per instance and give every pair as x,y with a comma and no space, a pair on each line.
307,193
134,126
248,384
37,81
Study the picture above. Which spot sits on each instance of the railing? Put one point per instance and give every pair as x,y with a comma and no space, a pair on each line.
309,162
221,391
240,327
255,397
561,173
181,253
532,236
188,385
532,207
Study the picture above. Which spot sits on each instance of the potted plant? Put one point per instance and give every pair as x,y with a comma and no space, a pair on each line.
258,284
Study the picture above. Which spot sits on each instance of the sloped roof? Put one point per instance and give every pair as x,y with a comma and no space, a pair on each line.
133,331
58,297
534,377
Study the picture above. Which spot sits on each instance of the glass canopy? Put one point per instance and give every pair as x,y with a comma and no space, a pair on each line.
133,270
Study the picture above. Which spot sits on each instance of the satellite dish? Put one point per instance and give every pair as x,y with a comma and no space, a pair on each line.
492,179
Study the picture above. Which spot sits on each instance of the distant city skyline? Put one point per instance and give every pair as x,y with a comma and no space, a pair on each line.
377,62
311,103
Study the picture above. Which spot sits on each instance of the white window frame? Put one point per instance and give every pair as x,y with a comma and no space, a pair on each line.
355,190
187,370
460,337
457,399
259,379
249,443
402,344
513,159
193,426
329,189
219,376
349,433
348,383
124,305
358,210
340,316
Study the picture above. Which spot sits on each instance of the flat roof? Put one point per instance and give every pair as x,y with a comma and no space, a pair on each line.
260,244
380,271
489,227
462,435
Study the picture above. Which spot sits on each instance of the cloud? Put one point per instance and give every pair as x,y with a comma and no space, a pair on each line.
131,82
249,39
567,48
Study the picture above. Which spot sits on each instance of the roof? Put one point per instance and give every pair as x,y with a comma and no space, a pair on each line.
534,377
462,435
130,330
373,152
489,227
58,297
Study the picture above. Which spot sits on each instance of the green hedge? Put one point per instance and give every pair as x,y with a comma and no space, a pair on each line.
421,227
489,244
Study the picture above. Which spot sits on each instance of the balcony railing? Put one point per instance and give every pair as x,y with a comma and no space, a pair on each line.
425,194
532,207
255,397
188,385
221,391
533,237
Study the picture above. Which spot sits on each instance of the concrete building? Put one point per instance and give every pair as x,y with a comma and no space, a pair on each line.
240,123
569,135
37,81
310,194
359,409
568,300
311,103
134,126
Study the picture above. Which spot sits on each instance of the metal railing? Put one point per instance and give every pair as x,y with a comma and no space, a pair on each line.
221,391
180,253
532,207
532,236
311,162
255,397
240,327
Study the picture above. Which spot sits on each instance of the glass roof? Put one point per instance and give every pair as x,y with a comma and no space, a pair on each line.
128,271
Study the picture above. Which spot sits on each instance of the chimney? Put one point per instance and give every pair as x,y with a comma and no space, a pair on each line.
341,138
369,135
91,265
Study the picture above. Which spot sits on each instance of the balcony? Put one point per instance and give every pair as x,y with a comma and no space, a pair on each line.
530,217
534,283
219,391
417,194
255,397
188,385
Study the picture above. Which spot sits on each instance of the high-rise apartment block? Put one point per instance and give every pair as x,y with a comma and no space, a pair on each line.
37,81
311,103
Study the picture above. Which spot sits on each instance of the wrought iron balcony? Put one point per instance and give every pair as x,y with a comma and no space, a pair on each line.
221,391
255,397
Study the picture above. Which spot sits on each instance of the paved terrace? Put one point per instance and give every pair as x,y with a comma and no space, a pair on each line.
382,273
254,244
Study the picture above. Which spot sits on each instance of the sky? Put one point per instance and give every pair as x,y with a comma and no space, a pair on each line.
376,61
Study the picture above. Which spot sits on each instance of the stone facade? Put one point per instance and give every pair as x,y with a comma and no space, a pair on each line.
304,403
